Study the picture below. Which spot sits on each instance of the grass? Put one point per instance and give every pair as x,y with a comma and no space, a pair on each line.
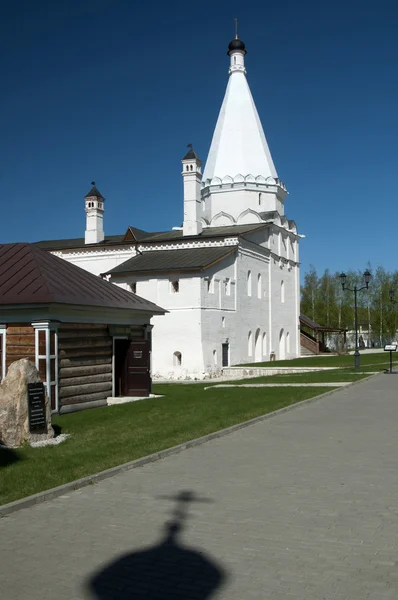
314,377
109,436
379,359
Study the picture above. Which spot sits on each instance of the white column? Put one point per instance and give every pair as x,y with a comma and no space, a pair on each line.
3,335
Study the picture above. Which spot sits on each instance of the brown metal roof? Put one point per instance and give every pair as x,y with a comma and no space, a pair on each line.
109,240
187,259
316,327
144,237
30,275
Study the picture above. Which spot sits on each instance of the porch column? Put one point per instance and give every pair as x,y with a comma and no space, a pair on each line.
3,334
148,337
46,358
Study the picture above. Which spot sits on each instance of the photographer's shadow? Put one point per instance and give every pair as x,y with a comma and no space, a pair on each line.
167,571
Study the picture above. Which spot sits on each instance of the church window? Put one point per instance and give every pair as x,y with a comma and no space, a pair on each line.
227,286
177,359
250,344
175,286
249,283
282,291
133,287
259,285
191,168
187,168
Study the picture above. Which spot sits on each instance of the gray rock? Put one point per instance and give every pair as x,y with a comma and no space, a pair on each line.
14,419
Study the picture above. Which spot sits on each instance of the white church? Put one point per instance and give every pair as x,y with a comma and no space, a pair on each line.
229,277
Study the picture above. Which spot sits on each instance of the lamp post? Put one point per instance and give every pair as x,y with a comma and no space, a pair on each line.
343,278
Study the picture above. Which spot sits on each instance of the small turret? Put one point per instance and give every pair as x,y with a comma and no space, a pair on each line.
192,177
94,206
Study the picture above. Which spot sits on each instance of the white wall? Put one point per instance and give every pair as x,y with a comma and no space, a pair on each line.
96,260
194,324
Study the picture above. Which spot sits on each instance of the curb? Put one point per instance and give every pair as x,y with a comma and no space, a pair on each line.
78,484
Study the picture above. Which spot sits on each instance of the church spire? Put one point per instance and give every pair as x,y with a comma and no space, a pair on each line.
239,170
239,145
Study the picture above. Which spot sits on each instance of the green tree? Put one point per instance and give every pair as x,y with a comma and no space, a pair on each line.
309,293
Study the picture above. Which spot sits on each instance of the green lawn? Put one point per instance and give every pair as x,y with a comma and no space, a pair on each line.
314,377
382,359
109,436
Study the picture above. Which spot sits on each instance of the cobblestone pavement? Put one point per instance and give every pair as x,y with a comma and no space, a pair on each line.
303,506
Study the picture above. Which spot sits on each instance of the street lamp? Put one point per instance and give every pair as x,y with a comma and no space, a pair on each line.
366,278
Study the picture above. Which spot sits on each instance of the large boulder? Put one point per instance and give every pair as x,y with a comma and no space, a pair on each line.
14,418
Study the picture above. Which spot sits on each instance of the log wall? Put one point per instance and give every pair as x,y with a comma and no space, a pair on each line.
85,363
20,343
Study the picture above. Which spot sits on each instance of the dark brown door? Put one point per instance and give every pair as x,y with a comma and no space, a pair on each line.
121,351
138,376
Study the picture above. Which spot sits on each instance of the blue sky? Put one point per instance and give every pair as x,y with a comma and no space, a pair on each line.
113,90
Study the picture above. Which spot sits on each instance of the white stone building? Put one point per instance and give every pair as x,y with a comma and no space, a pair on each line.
229,277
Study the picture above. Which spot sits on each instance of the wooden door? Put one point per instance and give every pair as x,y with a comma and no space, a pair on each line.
137,372
121,350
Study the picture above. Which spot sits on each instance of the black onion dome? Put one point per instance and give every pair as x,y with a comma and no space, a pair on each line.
236,45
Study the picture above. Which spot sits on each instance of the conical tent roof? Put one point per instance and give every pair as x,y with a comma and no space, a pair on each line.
239,145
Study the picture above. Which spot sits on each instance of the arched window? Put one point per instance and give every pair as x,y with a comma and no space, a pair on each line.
187,168
177,359
282,347
250,344
258,352
264,344
174,286
249,283
282,291
191,168
215,357
259,286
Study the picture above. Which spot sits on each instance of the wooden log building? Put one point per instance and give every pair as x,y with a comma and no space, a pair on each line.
89,339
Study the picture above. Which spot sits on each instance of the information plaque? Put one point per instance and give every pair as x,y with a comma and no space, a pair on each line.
37,408
390,348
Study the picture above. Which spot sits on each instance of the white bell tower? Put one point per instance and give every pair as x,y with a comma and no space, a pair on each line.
94,201
192,177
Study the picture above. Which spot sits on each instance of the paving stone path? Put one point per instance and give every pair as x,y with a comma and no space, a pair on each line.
303,506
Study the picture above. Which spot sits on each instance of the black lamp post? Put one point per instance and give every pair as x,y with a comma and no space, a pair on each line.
343,278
